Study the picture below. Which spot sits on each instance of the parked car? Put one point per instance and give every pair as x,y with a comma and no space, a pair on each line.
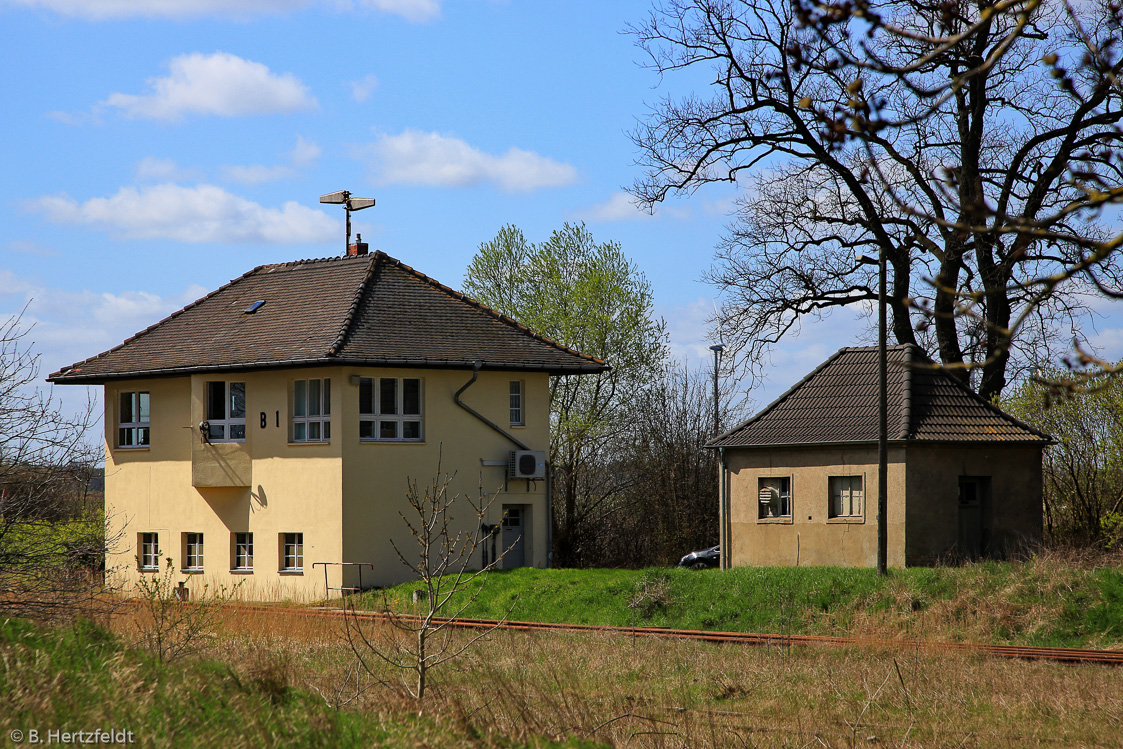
700,560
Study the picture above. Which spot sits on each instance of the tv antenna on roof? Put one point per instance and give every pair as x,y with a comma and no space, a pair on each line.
343,197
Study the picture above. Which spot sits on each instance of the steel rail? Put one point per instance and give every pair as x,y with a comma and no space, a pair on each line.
1025,652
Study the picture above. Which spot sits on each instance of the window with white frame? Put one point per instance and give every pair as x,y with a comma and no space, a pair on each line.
311,410
292,552
775,495
517,418
243,551
148,551
132,419
226,411
193,552
390,408
846,497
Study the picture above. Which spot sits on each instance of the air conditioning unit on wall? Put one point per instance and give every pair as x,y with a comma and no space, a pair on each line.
527,464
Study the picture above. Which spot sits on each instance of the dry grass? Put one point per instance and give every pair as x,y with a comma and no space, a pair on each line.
608,689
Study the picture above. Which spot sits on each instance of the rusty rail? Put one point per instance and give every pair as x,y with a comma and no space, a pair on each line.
1027,652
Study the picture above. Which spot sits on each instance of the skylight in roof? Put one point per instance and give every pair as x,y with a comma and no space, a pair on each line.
255,306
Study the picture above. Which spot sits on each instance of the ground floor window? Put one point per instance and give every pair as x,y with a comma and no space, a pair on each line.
845,496
775,495
193,551
292,552
148,551
243,551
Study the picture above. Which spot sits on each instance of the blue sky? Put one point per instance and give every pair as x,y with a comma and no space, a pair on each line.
155,149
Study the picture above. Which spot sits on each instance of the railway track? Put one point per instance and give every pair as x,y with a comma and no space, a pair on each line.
1029,652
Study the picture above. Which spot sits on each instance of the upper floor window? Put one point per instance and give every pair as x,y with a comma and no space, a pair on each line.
846,497
311,410
775,497
517,418
132,419
390,408
226,411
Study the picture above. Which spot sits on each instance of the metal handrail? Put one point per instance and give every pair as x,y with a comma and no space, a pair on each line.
343,588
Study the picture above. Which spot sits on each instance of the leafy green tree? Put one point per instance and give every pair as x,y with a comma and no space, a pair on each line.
1083,470
590,297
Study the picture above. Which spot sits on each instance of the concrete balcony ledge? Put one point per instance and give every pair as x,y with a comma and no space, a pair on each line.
221,464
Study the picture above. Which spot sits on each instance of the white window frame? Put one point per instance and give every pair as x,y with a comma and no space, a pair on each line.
842,488
148,556
311,411
135,432
193,552
292,548
518,403
374,421
243,552
222,427
779,489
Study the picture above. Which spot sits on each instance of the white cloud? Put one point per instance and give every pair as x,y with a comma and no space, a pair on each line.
68,326
417,11
154,169
363,88
204,213
99,10
420,158
303,155
218,84
620,206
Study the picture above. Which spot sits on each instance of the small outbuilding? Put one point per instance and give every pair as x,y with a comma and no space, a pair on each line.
799,479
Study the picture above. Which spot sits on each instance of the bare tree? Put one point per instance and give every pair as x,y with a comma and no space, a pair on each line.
972,144
451,576
52,537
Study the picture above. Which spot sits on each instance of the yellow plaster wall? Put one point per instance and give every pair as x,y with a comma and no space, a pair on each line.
375,473
294,487
810,538
344,495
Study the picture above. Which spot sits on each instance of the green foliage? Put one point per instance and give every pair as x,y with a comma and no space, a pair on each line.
590,297
1083,470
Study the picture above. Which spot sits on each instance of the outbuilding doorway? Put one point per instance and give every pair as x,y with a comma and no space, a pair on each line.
974,493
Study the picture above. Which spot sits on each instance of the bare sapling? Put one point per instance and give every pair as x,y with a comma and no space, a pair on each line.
451,571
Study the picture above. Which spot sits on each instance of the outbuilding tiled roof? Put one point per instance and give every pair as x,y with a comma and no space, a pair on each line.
365,309
837,403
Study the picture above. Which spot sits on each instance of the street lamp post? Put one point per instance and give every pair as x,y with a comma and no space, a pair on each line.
882,415
718,349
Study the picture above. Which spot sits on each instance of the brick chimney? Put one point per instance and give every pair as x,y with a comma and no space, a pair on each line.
359,247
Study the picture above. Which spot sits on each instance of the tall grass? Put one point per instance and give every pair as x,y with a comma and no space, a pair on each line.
1047,600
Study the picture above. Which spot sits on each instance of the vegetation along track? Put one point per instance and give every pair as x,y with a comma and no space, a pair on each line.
1070,655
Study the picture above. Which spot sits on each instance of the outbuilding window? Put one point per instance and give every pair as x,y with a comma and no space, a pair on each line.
775,494
846,497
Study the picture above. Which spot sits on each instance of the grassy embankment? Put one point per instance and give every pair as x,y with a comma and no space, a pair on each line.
1044,601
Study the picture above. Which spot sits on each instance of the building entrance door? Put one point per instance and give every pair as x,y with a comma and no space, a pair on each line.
514,536
972,496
